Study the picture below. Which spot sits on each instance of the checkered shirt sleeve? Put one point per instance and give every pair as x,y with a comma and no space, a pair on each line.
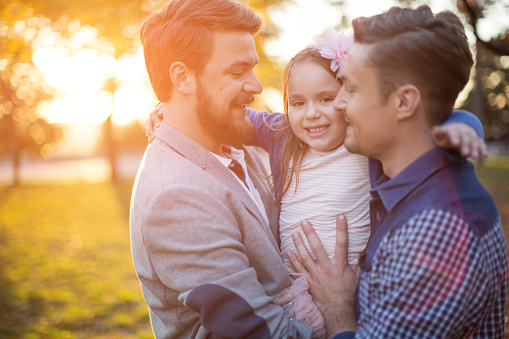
434,277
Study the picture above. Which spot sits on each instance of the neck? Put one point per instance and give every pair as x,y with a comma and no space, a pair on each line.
180,113
409,148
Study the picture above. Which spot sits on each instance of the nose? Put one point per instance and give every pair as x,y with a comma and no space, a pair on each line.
340,100
252,84
312,112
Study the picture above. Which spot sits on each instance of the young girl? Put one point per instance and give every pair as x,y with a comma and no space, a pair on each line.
315,177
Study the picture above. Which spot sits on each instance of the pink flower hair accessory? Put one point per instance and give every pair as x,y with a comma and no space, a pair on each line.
335,46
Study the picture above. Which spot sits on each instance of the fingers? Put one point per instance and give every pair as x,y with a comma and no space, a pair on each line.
314,242
156,114
341,249
160,111
462,138
153,121
443,139
304,255
294,260
468,144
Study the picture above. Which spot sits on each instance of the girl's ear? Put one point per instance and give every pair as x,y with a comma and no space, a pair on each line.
408,99
182,77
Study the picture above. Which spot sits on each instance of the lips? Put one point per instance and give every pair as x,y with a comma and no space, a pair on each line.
242,101
317,131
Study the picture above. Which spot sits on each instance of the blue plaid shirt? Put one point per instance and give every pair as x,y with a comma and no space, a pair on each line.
436,262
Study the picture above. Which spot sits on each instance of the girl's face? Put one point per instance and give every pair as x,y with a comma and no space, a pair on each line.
312,116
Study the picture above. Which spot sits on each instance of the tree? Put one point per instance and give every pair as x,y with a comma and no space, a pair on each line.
119,21
475,11
22,89
494,94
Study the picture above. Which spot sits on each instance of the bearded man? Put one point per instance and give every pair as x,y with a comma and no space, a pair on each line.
203,222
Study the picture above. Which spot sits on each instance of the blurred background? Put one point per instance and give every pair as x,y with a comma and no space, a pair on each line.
74,93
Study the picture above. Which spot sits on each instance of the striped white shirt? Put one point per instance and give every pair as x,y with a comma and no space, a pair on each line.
329,184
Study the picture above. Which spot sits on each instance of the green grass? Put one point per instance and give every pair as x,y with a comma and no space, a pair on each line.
65,261
65,264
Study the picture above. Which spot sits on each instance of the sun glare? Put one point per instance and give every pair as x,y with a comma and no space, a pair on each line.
80,78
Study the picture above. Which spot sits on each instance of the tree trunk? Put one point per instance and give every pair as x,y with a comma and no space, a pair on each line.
111,148
478,104
16,166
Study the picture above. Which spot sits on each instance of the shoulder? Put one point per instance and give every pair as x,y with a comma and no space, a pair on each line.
456,189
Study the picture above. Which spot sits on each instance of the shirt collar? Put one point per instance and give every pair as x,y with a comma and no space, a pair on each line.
231,153
392,191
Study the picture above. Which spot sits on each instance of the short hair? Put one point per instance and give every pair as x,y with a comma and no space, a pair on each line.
183,31
415,46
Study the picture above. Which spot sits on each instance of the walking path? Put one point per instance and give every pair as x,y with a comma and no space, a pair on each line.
69,170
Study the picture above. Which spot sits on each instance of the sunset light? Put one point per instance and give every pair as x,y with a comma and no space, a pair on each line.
80,78
112,229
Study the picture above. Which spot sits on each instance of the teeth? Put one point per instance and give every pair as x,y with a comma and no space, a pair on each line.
315,130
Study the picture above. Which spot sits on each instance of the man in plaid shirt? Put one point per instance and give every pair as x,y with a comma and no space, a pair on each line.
436,262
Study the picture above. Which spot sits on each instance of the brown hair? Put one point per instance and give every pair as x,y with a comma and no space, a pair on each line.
416,46
294,149
182,31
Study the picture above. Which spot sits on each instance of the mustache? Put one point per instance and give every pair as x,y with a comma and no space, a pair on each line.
244,99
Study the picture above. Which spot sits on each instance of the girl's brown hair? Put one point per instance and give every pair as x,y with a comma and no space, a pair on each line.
294,149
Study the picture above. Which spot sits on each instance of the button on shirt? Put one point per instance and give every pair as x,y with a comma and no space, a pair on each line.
436,262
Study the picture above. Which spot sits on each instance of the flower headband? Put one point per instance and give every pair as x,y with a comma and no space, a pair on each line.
335,46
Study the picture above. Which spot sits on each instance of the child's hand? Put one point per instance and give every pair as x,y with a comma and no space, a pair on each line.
462,138
153,121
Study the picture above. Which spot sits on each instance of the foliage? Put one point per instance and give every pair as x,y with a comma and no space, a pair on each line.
22,87
494,73
119,22
65,266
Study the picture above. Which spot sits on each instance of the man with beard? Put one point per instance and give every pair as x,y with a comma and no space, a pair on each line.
203,222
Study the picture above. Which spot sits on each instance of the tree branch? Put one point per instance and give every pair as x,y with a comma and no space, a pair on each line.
501,48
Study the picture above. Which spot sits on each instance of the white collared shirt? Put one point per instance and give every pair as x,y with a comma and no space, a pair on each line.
250,189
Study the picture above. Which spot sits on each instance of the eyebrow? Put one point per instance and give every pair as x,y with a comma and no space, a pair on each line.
241,63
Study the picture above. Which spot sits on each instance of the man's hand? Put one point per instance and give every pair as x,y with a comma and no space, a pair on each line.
153,121
332,282
462,138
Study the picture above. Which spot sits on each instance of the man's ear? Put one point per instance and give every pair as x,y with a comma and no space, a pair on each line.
407,100
182,77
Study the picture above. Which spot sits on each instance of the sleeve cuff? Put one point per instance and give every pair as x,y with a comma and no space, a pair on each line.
344,335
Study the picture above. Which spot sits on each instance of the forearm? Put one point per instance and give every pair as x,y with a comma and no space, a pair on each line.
264,132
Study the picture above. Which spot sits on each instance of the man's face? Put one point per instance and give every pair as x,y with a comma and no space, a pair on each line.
370,120
226,86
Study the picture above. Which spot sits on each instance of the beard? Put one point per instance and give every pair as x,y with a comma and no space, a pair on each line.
221,123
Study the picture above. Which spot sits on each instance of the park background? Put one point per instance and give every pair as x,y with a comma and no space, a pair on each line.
73,96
